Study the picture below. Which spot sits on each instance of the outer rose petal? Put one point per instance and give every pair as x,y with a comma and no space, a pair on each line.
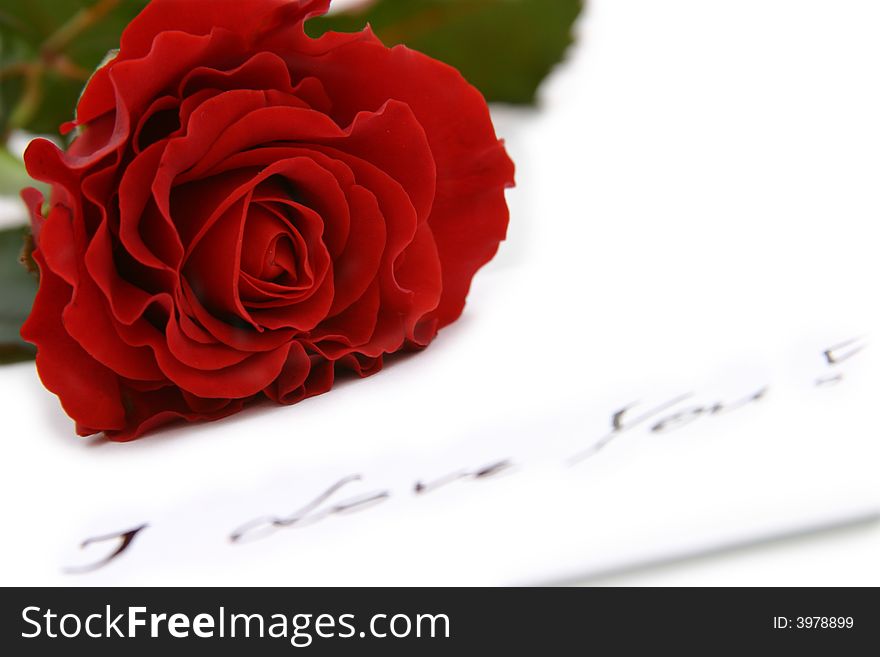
33,199
89,392
469,217
150,409
282,17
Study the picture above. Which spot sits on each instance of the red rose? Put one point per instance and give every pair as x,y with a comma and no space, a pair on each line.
246,210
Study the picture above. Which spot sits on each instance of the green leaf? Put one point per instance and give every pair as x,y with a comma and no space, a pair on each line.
48,48
17,290
503,47
13,175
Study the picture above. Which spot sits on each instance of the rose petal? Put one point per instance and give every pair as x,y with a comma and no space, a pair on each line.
89,392
203,16
148,410
469,216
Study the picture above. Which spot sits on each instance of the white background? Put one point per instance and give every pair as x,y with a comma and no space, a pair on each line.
780,93
696,210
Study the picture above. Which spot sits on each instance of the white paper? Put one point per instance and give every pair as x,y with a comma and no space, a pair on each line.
695,216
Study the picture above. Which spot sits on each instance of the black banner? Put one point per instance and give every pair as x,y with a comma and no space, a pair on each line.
553,621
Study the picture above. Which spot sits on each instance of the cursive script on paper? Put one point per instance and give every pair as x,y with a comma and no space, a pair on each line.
334,500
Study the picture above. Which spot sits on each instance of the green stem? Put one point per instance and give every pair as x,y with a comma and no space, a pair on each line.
30,100
51,58
14,177
15,68
76,25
